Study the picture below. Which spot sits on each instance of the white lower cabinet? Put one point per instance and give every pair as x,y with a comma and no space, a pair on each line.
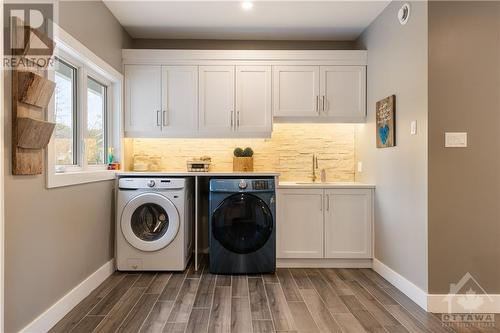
348,223
324,223
300,223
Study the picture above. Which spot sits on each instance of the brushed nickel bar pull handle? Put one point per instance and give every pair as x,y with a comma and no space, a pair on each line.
232,120
165,120
317,104
237,119
324,103
321,208
328,202
158,118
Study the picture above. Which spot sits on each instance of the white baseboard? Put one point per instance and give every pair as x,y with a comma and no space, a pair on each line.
323,263
407,287
438,303
57,311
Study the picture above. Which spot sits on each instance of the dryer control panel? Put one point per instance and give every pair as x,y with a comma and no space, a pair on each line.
242,185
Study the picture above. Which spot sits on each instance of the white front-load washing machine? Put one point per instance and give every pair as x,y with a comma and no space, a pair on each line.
154,223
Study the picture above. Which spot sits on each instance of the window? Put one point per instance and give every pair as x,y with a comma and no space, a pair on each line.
86,109
75,149
96,122
65,114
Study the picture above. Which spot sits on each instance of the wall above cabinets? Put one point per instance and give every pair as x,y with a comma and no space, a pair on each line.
238,94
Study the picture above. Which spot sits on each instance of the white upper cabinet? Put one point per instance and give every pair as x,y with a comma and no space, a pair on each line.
216,100
179,100
320,93
348,223
253,99
161,101
343,92
239,93
142,100
235,101
296,91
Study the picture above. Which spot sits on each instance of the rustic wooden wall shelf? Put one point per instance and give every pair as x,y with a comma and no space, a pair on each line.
33,133
34,89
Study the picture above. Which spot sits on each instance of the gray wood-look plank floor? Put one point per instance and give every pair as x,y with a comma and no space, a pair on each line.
291,300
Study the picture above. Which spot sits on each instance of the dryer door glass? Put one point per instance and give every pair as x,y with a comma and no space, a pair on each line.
149,222
242,223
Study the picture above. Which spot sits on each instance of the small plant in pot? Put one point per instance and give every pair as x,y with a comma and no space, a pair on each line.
243,159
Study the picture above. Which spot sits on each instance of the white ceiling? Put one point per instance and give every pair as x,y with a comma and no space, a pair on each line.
268,20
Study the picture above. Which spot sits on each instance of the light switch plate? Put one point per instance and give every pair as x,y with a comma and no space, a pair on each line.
413,127
360,166
455,139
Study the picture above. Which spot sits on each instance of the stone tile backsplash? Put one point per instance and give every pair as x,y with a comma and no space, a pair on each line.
289,151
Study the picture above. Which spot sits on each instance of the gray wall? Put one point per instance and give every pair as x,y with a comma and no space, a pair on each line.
56,238
92,23
464,183
207,44
397,64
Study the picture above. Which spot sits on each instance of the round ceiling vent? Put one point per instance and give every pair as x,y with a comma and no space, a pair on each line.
404,14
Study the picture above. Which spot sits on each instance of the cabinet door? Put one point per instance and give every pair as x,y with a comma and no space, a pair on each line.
296,91
216,105
142,100
343,92
253,99
179,100
300,223
348,223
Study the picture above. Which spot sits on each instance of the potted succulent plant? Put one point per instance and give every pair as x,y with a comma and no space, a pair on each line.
243,159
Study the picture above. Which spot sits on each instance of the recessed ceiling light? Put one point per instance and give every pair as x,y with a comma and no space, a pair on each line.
247,5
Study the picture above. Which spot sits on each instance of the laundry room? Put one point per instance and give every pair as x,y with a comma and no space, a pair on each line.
249,166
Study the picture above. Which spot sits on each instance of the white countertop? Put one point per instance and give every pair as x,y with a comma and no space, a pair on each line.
282,184
324,185
193,174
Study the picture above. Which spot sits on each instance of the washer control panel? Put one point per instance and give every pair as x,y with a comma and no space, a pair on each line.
135,183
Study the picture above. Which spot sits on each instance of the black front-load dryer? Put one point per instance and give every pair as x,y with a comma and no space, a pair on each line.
242,226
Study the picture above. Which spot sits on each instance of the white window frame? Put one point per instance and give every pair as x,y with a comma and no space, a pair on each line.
87,64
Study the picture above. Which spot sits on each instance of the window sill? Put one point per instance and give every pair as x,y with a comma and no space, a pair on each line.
80,177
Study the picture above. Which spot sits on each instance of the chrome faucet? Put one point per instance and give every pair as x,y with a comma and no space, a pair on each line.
314,167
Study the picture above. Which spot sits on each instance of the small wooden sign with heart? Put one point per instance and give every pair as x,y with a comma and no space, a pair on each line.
386,122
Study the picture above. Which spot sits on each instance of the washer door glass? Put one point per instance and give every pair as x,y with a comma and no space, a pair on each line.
242,223
150,221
